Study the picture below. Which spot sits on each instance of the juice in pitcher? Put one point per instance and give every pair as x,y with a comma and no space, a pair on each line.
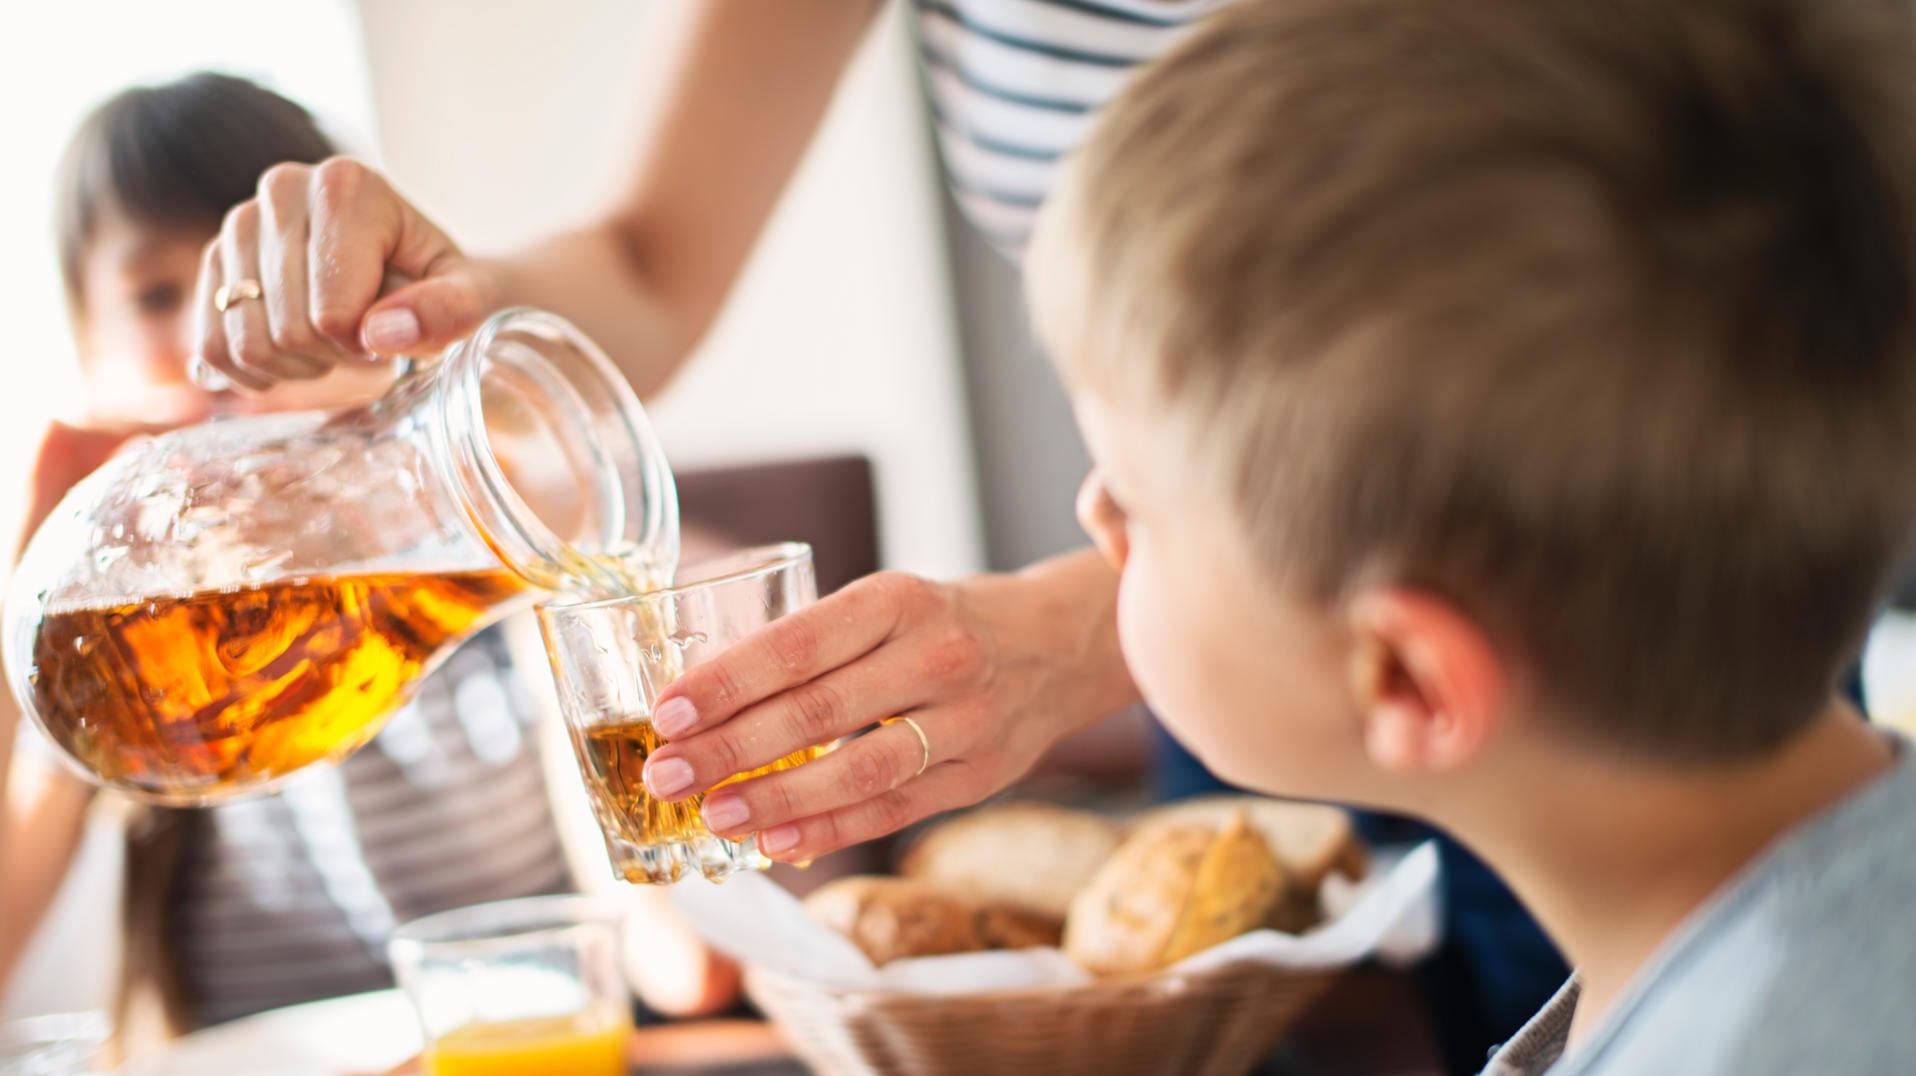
221,605
185,698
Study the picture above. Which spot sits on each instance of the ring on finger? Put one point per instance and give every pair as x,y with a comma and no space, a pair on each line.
228,296
924,742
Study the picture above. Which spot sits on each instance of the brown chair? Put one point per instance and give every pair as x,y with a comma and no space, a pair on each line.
828,502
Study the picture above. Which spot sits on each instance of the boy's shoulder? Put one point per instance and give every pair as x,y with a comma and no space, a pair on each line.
1805,964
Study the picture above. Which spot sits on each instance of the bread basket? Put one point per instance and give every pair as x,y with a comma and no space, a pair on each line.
1036,1010
1219,1021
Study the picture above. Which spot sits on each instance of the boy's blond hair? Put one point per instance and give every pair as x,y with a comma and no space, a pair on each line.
1594,318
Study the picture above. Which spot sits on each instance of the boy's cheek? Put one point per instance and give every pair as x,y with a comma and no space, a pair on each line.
1254,697
1165,644
1138,630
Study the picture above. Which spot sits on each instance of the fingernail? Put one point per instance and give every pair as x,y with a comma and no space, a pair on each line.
778,839
391,330
725,813
206,377
675,716
667,777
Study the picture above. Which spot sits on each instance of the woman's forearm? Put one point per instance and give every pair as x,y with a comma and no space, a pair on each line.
1074,598
738,90
739,87
592,279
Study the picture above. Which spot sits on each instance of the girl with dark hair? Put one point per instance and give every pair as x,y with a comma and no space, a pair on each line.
272,901
143,185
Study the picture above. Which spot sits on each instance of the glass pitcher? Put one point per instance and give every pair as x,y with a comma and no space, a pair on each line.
222,605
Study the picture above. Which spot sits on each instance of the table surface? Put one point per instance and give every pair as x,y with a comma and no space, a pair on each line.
374,1033
1369,1024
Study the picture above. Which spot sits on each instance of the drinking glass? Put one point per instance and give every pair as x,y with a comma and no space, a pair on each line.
611,658
526,986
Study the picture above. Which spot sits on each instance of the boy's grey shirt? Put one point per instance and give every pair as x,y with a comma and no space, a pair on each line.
1805,963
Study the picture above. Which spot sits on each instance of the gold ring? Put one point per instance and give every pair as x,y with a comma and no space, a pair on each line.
924,742
228,296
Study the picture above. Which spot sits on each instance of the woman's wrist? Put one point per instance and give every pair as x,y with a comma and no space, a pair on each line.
1073,602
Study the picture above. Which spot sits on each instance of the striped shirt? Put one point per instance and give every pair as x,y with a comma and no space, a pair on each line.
289,898
1014,86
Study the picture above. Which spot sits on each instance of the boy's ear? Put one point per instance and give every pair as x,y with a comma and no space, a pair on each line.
1102,520
1428,685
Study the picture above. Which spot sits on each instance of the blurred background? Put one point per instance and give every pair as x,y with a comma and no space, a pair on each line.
505,121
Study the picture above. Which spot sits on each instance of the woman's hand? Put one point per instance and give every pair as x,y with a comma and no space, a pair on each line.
324,243
993,669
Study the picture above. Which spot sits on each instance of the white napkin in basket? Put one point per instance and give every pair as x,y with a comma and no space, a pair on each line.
1391,915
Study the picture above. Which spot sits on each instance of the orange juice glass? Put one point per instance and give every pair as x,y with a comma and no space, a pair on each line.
517,988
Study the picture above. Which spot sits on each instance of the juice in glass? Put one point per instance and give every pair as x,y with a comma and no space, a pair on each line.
518,988
590,1042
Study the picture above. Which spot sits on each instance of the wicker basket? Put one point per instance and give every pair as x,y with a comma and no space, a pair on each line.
1218,1023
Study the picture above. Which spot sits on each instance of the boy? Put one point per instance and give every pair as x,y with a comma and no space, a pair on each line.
1505,412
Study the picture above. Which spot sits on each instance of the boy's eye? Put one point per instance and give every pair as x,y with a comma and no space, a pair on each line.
160,298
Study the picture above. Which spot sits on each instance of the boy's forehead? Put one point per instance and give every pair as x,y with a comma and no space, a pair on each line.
1138,447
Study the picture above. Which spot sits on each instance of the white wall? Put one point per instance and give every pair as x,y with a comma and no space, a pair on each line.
62,59
507,120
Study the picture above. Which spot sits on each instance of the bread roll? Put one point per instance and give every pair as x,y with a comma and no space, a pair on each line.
1297,911
1311,839
893,918
1001,926
1033,857
1171,891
